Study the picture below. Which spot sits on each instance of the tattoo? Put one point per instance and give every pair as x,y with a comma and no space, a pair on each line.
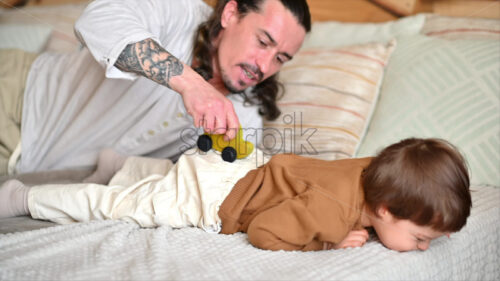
150,60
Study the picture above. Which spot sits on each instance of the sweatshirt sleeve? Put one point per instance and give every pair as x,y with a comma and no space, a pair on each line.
286,226
106,27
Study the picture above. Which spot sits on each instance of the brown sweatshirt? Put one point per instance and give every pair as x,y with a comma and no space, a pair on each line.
296,203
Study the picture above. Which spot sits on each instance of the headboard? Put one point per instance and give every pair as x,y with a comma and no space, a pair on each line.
359,10
385,10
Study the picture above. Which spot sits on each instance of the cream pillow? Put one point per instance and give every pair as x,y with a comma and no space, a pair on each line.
59,18
444,89
30,38
330,94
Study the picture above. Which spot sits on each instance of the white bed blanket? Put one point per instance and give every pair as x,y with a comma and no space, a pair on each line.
111,250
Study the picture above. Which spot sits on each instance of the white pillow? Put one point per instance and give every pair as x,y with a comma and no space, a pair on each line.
337,34
446,89
30,38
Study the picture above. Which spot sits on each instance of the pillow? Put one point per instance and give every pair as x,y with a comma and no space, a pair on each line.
445,89
338,34
453,28
59,18
30,38
329,96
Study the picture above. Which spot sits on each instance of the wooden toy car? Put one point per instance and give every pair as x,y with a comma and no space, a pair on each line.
237,148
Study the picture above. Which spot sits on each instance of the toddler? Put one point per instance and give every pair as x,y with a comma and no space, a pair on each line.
411,193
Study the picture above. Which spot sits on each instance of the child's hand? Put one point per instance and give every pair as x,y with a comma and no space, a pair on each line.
355,238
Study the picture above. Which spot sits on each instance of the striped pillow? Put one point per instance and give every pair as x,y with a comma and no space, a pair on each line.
453,28
330,94
445,89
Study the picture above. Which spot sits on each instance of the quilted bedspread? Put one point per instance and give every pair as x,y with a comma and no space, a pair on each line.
122,251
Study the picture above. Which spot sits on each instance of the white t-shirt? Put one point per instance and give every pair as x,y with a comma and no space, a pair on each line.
78,103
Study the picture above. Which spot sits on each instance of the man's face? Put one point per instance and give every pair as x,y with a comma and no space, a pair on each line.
253,48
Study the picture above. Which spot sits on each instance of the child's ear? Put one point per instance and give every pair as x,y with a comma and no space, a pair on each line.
383,213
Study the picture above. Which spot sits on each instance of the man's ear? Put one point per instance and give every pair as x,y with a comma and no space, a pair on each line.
230,12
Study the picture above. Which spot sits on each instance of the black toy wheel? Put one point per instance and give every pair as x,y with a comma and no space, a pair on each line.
204,143
229,154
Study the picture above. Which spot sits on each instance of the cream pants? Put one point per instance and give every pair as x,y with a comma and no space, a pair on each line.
149,192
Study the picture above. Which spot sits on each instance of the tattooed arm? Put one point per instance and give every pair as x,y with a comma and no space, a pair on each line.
208,107
150,60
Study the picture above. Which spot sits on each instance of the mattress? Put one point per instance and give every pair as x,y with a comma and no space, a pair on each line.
117,250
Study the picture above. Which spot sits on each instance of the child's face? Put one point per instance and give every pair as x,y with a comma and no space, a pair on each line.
404,235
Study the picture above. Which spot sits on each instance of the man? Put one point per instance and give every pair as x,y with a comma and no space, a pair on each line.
134,87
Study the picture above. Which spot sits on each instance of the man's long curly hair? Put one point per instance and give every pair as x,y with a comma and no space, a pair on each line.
266,92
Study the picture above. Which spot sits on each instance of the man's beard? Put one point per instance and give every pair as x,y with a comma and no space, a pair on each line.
232,88
229,85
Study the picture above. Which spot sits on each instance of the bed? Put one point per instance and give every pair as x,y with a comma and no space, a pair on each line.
411,68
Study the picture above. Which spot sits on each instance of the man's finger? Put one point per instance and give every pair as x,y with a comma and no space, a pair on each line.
208,123
220,125
232,123
197,121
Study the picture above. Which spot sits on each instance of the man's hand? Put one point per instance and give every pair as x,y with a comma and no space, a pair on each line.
209,108
355,238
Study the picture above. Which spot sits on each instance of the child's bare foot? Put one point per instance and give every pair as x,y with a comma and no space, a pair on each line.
13,199
108,164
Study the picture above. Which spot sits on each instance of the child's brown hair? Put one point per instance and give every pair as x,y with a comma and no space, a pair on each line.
421,180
